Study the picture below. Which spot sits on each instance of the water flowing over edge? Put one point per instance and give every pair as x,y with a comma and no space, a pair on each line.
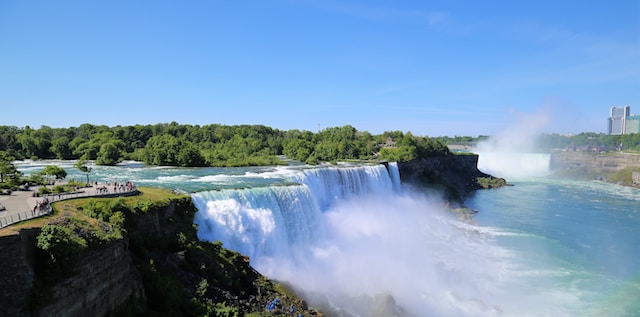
348,231
246,219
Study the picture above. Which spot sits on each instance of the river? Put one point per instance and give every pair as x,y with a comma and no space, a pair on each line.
543,247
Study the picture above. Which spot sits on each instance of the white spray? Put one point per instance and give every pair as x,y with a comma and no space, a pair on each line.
369,240
511,153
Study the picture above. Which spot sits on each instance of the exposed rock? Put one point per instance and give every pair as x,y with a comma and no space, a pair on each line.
159,269
102,280
608,162
455,176
595,166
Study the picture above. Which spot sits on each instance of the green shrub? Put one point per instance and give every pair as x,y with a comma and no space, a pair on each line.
222,310
118,204
60,242
59,189
491,182
94,209
43,191
201,288
624,176
142,206
117,219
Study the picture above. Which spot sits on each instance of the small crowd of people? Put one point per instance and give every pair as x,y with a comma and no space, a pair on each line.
276,305
117,187
41,206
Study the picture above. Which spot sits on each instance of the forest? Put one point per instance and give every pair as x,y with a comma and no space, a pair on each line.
173,144
585,141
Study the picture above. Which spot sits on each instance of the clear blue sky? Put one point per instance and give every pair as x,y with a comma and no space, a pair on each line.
430,67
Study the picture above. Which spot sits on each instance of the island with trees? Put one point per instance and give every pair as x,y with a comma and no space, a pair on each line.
176,144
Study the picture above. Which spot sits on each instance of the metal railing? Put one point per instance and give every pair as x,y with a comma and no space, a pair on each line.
24,215
50,198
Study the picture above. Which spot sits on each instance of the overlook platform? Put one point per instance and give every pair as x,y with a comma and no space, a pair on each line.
19,205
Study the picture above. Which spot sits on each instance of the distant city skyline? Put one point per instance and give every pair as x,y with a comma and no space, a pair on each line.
622,121
432,68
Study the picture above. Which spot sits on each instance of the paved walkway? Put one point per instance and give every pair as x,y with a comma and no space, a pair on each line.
19,206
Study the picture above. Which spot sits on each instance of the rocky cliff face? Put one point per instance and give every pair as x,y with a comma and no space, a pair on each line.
617,168
99,282
455,176
608,162
16,272
102,280
160,268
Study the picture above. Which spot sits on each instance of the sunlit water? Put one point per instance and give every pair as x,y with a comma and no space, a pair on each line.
578,239
540,248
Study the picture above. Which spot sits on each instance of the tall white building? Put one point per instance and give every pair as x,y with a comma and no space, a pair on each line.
618,120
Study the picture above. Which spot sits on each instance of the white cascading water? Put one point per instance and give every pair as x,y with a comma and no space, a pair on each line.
514,164
348,231
269,220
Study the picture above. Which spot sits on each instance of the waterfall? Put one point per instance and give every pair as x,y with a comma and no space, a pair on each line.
269,221
341,234
514,164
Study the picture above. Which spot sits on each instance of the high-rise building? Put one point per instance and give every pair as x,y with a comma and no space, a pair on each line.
617,120
632,124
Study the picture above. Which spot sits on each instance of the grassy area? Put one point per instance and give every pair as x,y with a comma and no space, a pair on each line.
491,182
624,176
73,207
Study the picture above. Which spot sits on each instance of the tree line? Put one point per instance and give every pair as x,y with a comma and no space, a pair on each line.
585,141
176,144
589,141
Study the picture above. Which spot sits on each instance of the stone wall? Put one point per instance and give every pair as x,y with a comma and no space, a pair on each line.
103,280
16,272
608,162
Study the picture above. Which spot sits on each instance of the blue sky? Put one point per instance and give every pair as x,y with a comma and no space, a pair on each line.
430,67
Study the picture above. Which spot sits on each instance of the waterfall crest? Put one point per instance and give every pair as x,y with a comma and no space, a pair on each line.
270,220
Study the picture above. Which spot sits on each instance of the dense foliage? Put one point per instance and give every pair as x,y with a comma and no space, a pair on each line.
590,141
586,141
211,145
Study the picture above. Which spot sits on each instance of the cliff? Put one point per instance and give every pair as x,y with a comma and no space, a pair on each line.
157,267
610,162
454,176
103,279
615,167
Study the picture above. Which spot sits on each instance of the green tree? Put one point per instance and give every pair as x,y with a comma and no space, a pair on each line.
398,154
60,147
109,154
55,171
27,142
162,150
189,155
83,166
8,172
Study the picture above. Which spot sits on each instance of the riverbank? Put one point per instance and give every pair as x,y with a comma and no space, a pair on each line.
619,168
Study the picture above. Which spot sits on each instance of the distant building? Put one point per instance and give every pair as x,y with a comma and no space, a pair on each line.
618,120
632,124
